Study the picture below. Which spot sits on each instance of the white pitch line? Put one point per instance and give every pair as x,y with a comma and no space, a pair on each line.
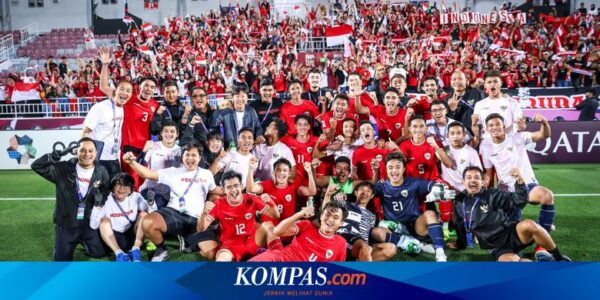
48,199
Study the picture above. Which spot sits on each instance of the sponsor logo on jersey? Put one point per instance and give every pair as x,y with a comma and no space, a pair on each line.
471,101
328,253
484,208
427,156
509,149
288,197
248,216
404,193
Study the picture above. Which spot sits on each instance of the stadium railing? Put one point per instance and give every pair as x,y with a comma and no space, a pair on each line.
316,44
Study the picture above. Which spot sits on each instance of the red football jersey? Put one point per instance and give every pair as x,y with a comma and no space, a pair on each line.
237,222
302,152
361,161
289,111
284,198
423,107
328,116
311,245
136,123
387,122
420,160
365,100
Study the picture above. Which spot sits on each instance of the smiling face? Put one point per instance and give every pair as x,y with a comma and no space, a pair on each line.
456,136
339,108
354,83
199,99
458,81
399,84
417,128
233,189
348,128
395,171
123,93
120,192
191,158
168,135
245,141
302,127
367,133
363,195
171,94
86,154
215,145
430,88
473,182
331,220
295,91
495,127
266,93
147,89
314,80
281,173
391,101
492,86
438,112
342,172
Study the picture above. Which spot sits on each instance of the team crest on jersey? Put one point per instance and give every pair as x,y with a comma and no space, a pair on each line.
404,193
462,161
323,123
379,157
328,253
153,108
248,216
427,156
484,208
288,197
398,125
503,107
309,149
97,184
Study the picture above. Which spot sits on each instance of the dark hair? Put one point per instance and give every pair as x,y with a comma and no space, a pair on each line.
215,135
248,129
342,159
363,184
303,116
416,117
429,77
230,175
348,119
195,88
494,116
237,89
151,78
456,124
335,205
123,179
266,81
282,161
280,125
124,81
363,122
87,139
392,90
294,81
192,145
396,156
314,70
342,96
439,102
168,123
492,73
169,83
472,168
399,76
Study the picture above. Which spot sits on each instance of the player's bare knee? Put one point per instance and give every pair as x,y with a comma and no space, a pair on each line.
430,217
528,226
389,250
509,257
547,196
379,233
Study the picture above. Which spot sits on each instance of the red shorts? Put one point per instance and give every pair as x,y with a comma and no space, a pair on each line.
273,254
240,250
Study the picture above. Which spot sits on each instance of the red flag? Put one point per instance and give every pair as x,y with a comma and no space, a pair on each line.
147,26
336,35
557,45
25,91
126,16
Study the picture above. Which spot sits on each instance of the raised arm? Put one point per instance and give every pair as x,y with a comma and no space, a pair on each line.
251,186
106,59
144,172
311,189
285,228
544,131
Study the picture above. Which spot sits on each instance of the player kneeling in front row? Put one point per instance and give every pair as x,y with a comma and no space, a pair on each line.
236,212
403,218
119,220
482,213
357,227
313,241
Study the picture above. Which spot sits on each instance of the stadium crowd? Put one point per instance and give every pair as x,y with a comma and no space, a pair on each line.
340,139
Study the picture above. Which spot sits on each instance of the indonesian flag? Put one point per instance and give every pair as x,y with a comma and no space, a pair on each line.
127,19
336,35
147,26
581,71
557,45
26,91
474,35
145,50
438,40
560,31
348,50
134,32
201,59
497,44
504,34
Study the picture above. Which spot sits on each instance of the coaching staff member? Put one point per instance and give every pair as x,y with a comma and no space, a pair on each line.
79,183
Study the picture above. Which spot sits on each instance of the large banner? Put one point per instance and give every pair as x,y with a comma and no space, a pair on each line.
571,142
548,98
20,148
483,18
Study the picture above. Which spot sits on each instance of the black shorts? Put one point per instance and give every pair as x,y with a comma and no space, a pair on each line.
178,223
512,243
125,239
210,234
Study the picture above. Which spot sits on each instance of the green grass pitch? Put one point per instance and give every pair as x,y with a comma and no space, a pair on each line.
27,232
